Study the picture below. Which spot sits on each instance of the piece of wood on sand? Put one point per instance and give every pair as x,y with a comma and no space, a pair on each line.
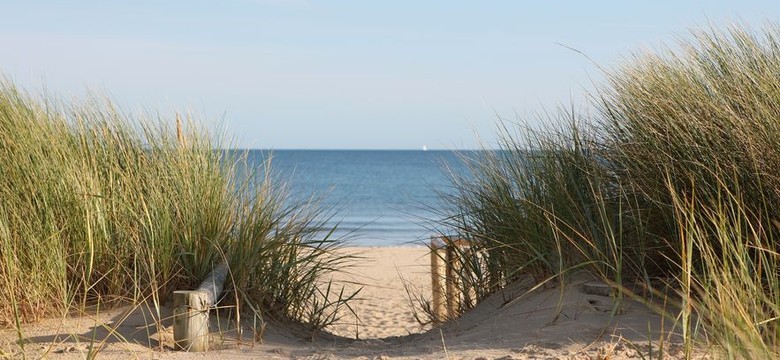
190,320
191,311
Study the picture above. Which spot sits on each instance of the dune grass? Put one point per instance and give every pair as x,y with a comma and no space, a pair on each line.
670,176
696,134
543,205
104,207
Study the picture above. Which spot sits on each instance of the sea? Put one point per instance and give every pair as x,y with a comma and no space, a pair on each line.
381,197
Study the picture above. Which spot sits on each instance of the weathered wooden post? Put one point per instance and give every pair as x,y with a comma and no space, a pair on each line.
467,288
191,311
190,320
451,262
447,298
437,301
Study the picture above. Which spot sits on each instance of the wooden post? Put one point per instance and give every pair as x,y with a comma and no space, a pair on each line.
191,320
437,302
447,305
191,311
449,278
468,290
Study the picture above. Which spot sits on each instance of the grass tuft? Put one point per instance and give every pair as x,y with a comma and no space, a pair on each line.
103,207
670,178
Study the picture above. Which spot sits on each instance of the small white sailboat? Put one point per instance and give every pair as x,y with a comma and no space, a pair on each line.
425,147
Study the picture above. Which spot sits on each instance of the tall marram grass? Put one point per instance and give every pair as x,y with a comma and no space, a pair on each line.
728,273
544,204
99,206
672,174
706,116
697,134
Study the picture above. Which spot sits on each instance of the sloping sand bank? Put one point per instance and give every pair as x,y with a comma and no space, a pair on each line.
558,323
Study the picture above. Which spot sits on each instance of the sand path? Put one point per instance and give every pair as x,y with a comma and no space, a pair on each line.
554,323
383,307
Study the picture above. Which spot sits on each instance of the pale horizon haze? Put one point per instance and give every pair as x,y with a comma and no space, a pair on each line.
297,74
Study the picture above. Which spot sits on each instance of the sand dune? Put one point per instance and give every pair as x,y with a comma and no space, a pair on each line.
554,322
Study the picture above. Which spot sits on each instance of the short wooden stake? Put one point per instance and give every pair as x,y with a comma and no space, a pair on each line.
451,266
191,320
449,297
468,290
437,302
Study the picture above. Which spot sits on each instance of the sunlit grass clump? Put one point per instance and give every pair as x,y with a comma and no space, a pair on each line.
672,175
102,207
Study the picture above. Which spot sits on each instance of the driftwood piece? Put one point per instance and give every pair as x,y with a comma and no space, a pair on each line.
214,283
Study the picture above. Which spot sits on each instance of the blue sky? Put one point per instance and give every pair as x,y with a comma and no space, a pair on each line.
342,74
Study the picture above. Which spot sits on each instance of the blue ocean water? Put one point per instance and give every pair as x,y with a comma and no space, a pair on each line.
384,197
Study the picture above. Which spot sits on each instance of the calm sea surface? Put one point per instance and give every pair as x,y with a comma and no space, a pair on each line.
384,197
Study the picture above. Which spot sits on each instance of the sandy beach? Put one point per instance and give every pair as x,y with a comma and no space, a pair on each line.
555,322
383,307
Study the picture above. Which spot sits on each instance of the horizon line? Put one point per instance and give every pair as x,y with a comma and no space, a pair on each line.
353,149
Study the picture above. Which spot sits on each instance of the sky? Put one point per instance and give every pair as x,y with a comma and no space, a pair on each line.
304,74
